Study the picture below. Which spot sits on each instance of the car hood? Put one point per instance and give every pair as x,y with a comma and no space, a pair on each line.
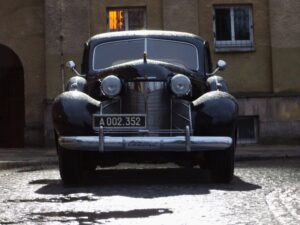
148,70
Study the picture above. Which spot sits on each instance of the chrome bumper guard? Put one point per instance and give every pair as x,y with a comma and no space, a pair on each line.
145,143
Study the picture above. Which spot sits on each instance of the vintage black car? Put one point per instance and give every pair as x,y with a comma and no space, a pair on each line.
145,96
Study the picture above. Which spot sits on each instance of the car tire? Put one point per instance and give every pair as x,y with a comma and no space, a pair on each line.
221,163
75,167
70,166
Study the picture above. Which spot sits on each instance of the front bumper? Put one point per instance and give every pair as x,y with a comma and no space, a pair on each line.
145,143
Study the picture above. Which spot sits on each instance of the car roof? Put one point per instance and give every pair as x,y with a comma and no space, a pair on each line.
119,35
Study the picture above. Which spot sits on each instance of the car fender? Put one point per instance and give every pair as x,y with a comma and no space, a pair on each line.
72,113
216,113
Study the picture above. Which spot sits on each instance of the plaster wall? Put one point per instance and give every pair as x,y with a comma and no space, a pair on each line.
98,13
67,28
247,71
279,117
22,30
285,42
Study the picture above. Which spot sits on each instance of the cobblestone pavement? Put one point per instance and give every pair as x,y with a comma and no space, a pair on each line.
262,192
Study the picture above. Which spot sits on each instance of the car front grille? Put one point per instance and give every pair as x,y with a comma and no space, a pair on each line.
151,98
166,115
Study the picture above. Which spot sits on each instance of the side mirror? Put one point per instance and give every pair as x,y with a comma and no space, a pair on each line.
221,64
71,65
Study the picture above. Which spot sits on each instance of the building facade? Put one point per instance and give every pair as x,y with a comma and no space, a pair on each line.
259,39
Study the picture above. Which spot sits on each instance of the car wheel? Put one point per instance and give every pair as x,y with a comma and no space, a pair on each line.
75,167
221,164
70,166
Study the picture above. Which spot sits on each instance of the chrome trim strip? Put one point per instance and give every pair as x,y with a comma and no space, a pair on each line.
191,119
171,115
101,139
140,143
188,138
146,46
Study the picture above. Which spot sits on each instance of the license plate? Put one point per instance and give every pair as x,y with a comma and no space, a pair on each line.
120,121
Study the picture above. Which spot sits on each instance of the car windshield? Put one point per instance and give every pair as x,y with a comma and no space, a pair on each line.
116,52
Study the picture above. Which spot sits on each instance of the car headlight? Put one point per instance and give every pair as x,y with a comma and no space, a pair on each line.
111,86
180,85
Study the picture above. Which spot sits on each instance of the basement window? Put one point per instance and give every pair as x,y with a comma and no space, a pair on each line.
120,19
247,131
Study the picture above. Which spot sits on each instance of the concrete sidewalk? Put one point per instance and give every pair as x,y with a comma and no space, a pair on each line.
21,157
13,158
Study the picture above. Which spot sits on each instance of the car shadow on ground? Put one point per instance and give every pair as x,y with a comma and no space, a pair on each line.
97,216
144,183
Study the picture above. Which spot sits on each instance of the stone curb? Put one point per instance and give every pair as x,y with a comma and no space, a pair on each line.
4,165
240,158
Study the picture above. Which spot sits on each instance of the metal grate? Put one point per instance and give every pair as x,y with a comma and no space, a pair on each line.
247,132
151,98
136,19
181,114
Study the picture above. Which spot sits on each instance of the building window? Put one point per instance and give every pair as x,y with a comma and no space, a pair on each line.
126,19
233,28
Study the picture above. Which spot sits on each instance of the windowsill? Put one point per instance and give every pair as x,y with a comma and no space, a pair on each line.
234,49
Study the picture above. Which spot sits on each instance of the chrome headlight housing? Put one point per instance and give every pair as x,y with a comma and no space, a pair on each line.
111,86
180,85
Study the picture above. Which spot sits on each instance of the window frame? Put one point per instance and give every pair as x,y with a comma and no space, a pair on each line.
126,17
233,44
